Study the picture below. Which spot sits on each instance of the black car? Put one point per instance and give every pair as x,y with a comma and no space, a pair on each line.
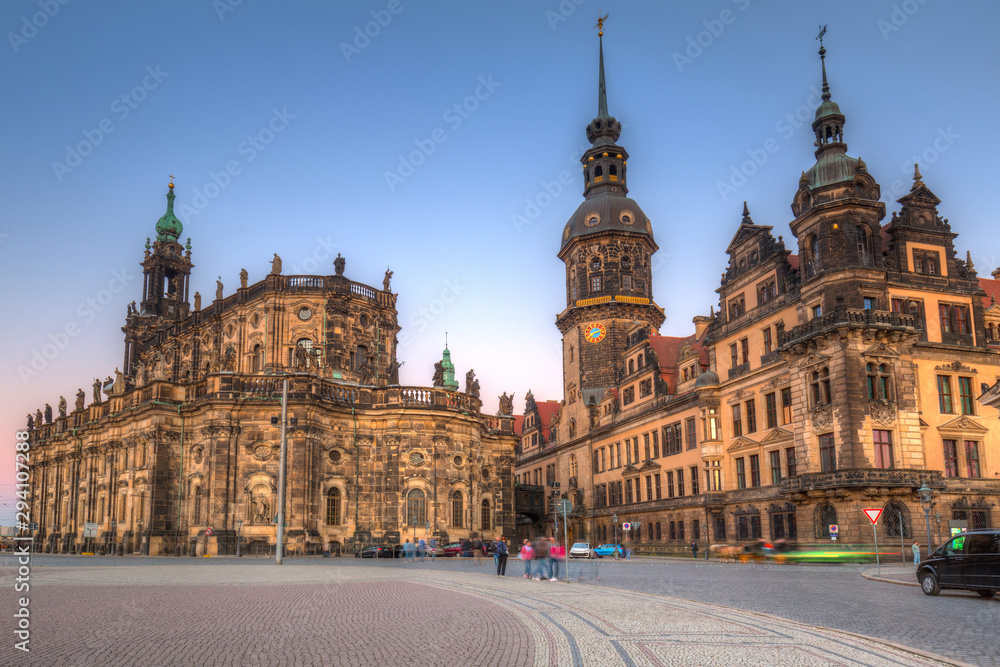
970,561
374,552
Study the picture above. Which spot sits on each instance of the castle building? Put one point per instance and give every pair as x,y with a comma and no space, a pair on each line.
179,452
841,374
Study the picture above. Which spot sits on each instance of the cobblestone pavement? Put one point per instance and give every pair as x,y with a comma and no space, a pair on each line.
349,612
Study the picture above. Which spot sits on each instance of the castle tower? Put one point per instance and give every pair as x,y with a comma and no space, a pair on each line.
606,246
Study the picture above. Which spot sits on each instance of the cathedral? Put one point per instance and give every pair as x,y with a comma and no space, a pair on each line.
849,370
179,452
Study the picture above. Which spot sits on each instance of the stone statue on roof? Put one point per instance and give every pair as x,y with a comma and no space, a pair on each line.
506,404
438,379
386,279
244,277
276,265
81,398
62,406
338,264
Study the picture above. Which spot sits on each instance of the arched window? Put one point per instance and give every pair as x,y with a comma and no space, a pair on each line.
626,264
631,366
333,507
595,264
598,171
612,170
574,287
572,465
864,239
641,361
416,507
572,428
256,359
812,256
485,517
826,516
896,520
196,512
457,509
140,508
121,508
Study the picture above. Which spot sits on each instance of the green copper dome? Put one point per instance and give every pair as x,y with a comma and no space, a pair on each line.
169,228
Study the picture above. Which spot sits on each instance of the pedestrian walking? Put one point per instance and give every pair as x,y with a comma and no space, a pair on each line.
409,549
527,555
477,551
694,550
916,552
500,554
556,552
541,558
421,548
433,547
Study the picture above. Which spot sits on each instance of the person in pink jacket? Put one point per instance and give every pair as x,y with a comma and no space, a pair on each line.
527,553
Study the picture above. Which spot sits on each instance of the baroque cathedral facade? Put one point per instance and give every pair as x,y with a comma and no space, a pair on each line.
841,373
179,453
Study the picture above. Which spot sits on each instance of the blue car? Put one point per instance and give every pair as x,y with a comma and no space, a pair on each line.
608,550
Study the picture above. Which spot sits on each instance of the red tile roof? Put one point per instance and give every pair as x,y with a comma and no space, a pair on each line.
668,352
793,261
518,422
992,289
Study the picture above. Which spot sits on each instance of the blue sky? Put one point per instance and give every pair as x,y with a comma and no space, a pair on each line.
312,128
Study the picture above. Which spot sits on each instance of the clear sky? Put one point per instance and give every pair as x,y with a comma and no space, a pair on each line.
312,128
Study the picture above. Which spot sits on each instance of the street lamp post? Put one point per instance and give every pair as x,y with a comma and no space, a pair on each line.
614,520
926,494
239,528
937,518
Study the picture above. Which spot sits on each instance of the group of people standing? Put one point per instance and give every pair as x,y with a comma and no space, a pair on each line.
541,558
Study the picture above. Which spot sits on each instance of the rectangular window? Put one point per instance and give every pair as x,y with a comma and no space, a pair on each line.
944,314
944,394
658,533
656,444
869,303
696,529
741,473
595,283
965,396
950,458
645,388
645,443
635,447
737,421
680,531
786,405
827,454
628,491
673,530
649,487
883,448
751,407
680,482
771,410
656,484
744,350
626,282
628,396
972,458
766,337
775,460
694,480
618,448
603,468
754,470
712,425
817,311
790,461
692,433
670,485
733,356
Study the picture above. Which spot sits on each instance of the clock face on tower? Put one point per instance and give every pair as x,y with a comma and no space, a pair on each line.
594,333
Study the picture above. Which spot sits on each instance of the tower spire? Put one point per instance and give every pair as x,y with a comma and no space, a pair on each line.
822,59
602,91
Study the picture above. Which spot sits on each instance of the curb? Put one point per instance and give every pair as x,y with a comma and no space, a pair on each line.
874,577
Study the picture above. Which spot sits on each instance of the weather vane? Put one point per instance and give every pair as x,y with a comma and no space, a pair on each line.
822,31
600,23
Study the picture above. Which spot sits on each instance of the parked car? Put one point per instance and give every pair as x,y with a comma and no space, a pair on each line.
374,552
452,549
970,561
581,550
609,550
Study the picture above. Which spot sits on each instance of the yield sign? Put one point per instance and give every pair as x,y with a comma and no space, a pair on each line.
873,515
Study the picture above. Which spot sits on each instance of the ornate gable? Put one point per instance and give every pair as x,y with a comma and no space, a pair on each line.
742,442
880,350
776,435
963,424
